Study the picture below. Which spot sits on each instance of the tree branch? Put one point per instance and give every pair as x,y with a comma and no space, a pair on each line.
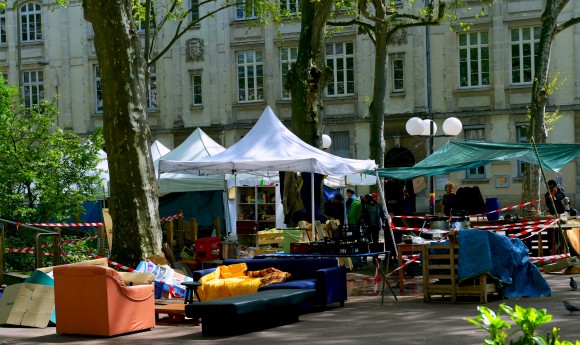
566,25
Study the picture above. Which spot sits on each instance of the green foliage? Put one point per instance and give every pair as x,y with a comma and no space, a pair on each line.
45,172
26,262
527,319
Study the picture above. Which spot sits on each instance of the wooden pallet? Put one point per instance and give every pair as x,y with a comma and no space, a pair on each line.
439,263
269,242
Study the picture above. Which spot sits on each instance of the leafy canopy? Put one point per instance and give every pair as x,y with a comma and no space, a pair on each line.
46,173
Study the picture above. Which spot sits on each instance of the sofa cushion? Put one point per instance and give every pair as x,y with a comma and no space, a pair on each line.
291,284
298,268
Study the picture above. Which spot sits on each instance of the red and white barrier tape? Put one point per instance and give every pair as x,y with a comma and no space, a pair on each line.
47,245
175,216
535,260
509,208
61,224
535,229
414,258
511,225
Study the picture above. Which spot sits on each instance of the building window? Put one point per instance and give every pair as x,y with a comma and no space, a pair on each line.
2,26
287,58
292,6
398,74
339,57
250,76
196,89
475,133
194,10
473,59
245,12
340,144
30,22
98,90
152,97
33,87
524,52
521,137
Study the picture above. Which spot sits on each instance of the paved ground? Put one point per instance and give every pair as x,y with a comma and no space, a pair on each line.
363,320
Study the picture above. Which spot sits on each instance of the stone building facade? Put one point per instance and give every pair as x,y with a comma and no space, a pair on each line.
222,73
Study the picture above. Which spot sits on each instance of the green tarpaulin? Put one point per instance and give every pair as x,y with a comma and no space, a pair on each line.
462,155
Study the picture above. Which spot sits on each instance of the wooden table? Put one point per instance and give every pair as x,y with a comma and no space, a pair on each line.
406,248
175,311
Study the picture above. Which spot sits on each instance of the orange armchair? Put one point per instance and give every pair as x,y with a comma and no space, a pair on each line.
93,300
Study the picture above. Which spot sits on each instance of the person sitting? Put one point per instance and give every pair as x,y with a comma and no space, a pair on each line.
561,201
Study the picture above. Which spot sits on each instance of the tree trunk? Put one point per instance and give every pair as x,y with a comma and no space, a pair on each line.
377,106
537,129
307,78
134,201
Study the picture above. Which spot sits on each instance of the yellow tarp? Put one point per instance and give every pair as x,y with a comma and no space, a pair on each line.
227,281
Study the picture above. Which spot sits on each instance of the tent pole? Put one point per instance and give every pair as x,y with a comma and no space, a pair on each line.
312,208
343,190
389,221
551,200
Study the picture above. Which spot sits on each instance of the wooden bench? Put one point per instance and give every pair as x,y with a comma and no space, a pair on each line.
250,312
439,262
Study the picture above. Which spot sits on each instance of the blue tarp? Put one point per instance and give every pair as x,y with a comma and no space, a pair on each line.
202,205
504,258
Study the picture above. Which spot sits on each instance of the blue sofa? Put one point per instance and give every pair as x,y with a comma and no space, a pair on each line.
323,275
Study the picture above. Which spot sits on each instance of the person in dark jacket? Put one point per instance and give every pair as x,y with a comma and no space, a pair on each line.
373,218
561,201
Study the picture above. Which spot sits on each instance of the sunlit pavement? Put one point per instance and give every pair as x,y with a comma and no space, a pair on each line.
363,320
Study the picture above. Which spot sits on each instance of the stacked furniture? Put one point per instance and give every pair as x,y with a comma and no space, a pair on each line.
439,263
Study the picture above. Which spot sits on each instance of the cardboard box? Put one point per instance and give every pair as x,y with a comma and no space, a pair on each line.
27,305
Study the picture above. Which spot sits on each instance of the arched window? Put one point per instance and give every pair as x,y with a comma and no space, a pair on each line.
30,22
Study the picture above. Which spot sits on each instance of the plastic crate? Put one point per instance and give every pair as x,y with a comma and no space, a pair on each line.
207,248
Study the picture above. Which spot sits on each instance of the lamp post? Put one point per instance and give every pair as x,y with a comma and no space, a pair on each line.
428,128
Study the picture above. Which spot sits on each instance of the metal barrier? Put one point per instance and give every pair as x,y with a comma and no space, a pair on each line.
40,233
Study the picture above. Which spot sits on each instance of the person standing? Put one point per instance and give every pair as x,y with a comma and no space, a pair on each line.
373,217
449,198
334,208
355,213
350,197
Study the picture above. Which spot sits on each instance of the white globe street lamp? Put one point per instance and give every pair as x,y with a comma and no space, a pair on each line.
428,128
326,141
452,126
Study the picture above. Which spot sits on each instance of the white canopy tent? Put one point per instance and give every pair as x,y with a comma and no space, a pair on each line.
197,146
158,150
270,147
